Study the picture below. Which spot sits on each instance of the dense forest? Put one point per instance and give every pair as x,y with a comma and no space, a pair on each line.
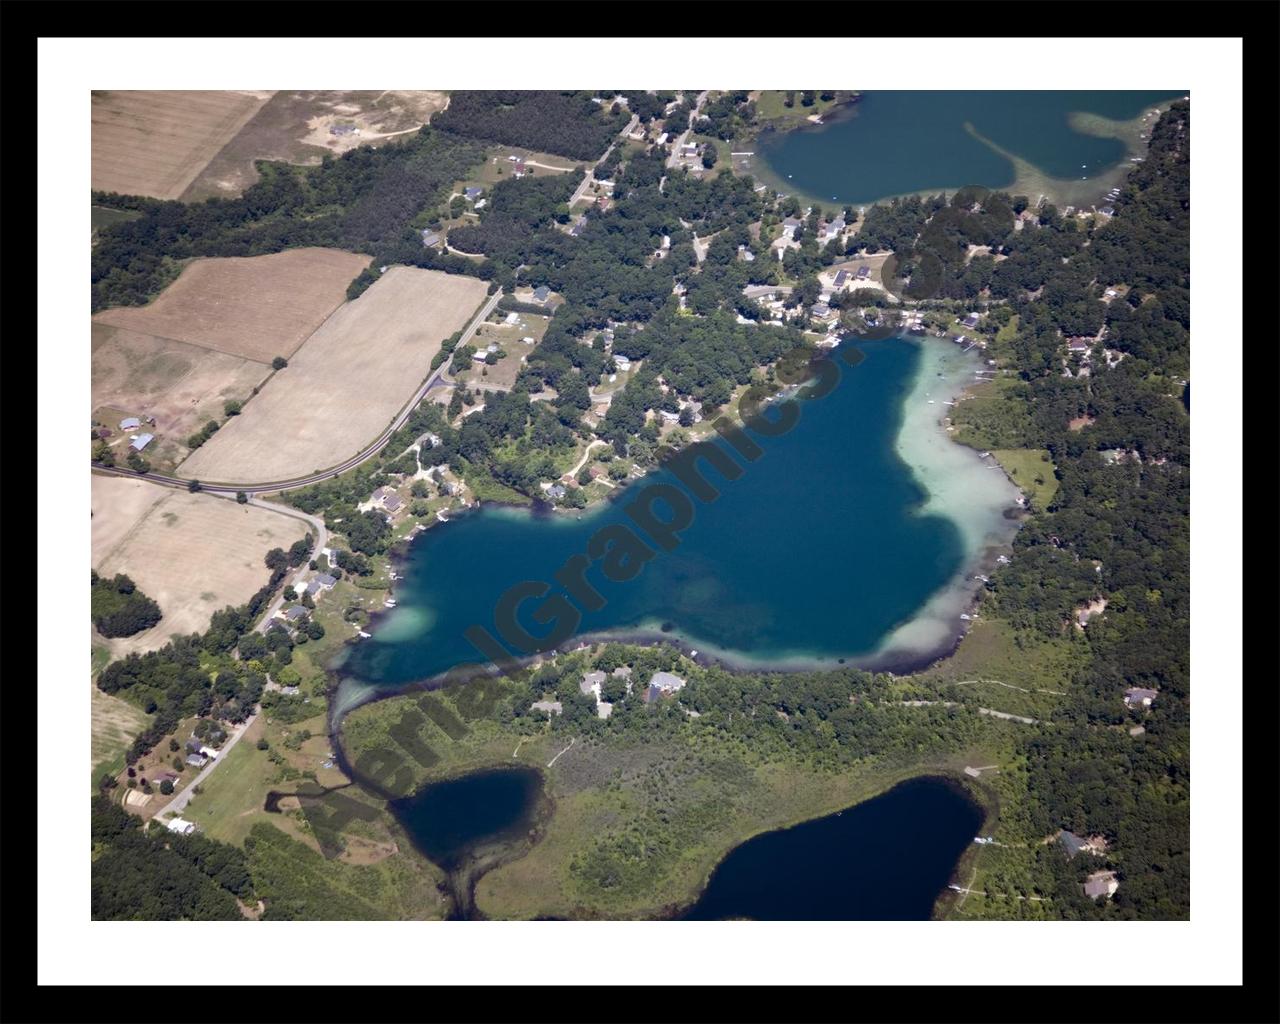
567,123
363,201
1117,528
144,873
119,608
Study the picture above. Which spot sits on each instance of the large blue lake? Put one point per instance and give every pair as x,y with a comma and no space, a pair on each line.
817,552
898,142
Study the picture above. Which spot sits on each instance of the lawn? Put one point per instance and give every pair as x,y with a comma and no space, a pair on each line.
1032,470
231,797
769,106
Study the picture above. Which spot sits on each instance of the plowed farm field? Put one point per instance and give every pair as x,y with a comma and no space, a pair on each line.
254,307
155,142
345,384
192,553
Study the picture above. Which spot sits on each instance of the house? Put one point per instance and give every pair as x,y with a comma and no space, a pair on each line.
392,502
669,417
181,826
512,319
622,363
197,760
551,707
603,202
689,149
661,684
433,440
821,310
479,357
556,491
541,294
661,140
591,683
623,672
841,278
1108,211
1101,883
430,239
1078,345
342,129
579,226
695,408
864,273
322,582
473,193
210,753
1073,844
130,423
141,441
970,321
294,614
1137,696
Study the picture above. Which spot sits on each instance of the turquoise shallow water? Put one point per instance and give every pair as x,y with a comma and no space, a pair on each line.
819,550
895,143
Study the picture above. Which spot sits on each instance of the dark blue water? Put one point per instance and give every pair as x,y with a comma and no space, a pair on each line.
895,143
448,821
884,860
818,549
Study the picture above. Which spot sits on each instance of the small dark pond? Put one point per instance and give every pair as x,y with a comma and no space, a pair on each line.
883,860
449,821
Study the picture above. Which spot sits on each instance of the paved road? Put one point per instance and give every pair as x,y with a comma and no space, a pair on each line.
183,796
351,463
180,798
587,178
322,541
674,159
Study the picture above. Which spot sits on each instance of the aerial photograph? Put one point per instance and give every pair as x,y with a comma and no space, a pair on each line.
639,505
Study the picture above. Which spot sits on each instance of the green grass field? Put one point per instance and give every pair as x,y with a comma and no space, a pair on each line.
769,107
231,797
1032,470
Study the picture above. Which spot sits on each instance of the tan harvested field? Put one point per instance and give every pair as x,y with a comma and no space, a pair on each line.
193,553
294,126
115,723
347,382
255,307
183,386
155,142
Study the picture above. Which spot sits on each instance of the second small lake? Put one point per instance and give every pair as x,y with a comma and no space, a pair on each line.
884,860
893,143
